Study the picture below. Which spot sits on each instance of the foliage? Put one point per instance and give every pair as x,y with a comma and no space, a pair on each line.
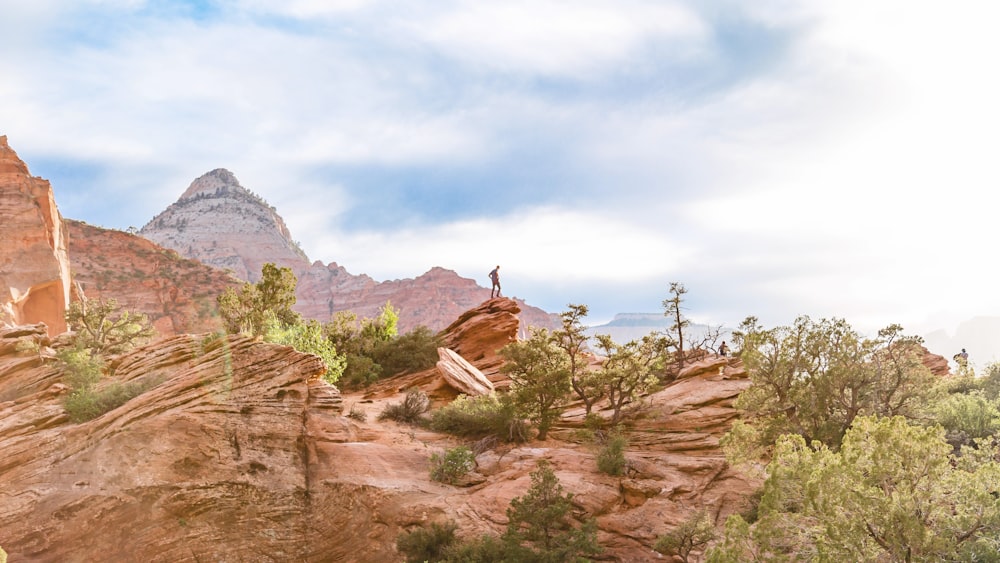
672,309
85,400
414,404
629,370
540,521
452,465
363,343
478,417
611,457
572,339
540,378
356,413
693,534
427,544
407,353
967,417
246,311
307,337
104,327
891,493
814,378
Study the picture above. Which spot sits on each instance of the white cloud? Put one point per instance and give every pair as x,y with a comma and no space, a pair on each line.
557,37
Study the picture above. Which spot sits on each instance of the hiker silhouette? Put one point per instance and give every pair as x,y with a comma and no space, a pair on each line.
495,278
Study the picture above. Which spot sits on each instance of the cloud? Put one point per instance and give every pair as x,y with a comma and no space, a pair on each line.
557,38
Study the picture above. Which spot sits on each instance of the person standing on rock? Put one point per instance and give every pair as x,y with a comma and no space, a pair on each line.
495,278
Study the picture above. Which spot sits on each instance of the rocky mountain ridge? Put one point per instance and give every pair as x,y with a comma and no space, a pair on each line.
220,223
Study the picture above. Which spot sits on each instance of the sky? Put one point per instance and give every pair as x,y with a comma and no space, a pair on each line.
777,157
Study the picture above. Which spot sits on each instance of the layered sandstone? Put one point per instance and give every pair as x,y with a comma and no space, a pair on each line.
35,283
177,294
240,452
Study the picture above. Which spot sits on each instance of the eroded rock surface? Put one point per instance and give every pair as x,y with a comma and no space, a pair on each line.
35,283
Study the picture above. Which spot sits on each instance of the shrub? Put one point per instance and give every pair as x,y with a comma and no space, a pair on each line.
414,404
82,374
611,458
411,352
357,414
105,328
967,417
692,534
453,464
427,544
307,337
481,416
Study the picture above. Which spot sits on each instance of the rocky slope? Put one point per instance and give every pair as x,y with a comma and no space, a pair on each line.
219,222
177,294
35,281
239,452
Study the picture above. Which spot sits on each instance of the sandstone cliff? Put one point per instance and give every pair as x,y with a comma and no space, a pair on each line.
239,452
177,294
35,281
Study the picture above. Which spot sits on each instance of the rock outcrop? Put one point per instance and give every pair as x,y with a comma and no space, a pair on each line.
239,451
35,284
220,223
433,299
177,294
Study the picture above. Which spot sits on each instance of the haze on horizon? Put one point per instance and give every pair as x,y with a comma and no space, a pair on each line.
778,158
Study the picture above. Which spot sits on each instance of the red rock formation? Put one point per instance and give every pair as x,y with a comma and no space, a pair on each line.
220,223
240,452
433,299
34,268
177,294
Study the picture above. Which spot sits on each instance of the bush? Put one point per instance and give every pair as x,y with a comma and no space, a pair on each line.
478,417
82,374
611,458
968,417
409,353
427,544
307,337
452,465
414,404
692,534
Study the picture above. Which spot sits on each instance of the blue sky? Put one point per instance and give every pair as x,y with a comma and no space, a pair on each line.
778,157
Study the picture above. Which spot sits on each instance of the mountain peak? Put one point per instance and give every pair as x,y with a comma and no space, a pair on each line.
220,223
211,183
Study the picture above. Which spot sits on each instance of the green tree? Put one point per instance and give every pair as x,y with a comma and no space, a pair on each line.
308,337
540,378
629,369
891,493
247,310
102,326
540,521
572,339
814,378
693,534
673,310
364,342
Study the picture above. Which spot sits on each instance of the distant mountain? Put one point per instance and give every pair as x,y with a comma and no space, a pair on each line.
980,336
633,326
220,223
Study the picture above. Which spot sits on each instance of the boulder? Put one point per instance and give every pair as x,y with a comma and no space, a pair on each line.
462,375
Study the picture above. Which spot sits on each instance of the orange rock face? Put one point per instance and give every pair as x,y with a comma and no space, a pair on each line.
239,452
34,267
177,294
